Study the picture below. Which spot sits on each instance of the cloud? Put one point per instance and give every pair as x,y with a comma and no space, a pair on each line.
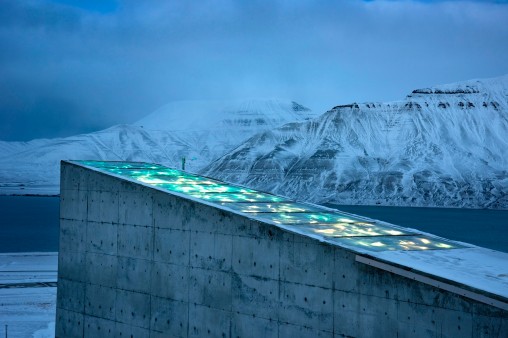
87,66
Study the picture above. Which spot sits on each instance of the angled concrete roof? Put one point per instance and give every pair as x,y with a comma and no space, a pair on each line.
475,272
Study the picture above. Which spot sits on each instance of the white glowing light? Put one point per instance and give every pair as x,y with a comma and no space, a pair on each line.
325,231
394,232
149,180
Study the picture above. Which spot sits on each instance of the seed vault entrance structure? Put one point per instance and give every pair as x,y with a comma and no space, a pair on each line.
149,251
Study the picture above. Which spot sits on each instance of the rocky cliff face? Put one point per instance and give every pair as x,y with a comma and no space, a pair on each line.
441,146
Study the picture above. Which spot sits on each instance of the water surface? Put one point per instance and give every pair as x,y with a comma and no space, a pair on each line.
31,223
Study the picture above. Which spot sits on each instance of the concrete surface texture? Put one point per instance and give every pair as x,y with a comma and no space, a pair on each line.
135,261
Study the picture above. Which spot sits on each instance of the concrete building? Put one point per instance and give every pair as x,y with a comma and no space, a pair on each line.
148,251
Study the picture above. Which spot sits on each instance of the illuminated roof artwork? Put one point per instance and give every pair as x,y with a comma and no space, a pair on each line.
332,226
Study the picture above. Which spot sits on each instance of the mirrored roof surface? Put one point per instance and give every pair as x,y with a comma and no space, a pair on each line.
341,228
393,243
272,207
317,217
350,229
238,197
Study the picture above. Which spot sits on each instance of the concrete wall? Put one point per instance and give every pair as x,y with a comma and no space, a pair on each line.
137,262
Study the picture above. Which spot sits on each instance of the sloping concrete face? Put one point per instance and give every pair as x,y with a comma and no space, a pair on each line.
138,262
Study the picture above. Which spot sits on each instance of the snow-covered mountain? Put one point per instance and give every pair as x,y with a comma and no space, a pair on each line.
442,146
202,131
199,131
243,116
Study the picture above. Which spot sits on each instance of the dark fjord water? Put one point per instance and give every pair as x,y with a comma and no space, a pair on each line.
31,223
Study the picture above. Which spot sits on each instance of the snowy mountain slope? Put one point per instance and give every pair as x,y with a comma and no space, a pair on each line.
441,146
217,127
202,131
246,115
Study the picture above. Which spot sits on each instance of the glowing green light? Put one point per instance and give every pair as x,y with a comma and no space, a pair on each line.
238,197
313,220
202,188
183,182
148,172
309,218
392,243
126,172
120,165
174,180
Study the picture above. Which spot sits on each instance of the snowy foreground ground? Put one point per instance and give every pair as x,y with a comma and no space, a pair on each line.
28,294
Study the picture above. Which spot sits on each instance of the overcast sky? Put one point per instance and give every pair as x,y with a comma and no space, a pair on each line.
68,67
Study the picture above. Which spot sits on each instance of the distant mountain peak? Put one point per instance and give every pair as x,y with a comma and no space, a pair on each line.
203,115
476,86
485,94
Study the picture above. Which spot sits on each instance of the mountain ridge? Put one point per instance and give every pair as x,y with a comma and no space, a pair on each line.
439,149
33,167
441,146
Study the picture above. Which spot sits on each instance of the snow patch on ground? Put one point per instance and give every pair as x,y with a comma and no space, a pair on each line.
45,333
28,311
